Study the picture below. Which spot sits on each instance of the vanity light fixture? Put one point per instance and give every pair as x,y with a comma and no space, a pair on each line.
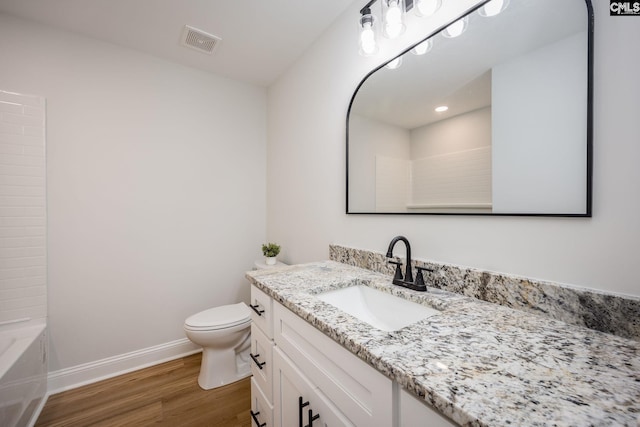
493,8
423,47
394,63
441,109
393,18
368,45
456,29
392,21
427,7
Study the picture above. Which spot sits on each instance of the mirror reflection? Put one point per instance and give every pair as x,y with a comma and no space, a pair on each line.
510,136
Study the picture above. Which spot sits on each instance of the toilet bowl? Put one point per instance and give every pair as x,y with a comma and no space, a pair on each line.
224,334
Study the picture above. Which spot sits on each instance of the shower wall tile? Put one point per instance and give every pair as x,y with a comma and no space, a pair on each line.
23,242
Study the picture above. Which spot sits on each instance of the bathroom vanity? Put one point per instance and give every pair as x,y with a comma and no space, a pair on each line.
303,377
473,363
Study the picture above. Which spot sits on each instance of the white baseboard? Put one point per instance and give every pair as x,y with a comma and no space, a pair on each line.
87,373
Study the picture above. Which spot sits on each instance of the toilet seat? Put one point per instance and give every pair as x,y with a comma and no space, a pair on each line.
222,317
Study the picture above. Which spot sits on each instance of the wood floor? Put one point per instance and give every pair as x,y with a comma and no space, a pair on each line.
162,395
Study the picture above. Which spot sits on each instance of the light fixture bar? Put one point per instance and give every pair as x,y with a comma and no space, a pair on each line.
408,5
367,6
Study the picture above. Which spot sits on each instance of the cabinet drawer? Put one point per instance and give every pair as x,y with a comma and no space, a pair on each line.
261,409
262,311
360,392
262,361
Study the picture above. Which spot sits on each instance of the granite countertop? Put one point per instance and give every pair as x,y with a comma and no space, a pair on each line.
481,364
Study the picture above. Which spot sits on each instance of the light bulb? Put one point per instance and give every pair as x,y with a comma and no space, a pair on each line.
423,47
493,8
368,45
367,40
441,109
395,63
456,28
427,7
393,20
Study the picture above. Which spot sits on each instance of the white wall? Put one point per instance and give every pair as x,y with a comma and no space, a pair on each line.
371,138
459,133
155,183
307,109
393,184
541,169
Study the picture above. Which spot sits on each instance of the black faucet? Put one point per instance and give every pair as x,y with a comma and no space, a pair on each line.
406,281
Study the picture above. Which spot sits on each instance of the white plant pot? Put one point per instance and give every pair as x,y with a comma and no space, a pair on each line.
270,260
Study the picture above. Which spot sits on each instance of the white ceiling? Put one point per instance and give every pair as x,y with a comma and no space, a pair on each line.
260,39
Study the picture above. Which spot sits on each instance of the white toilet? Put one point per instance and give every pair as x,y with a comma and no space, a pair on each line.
224,334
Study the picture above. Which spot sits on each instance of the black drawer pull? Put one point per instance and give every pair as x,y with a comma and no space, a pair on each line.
301,405
255,308
312,418
255,419
256,361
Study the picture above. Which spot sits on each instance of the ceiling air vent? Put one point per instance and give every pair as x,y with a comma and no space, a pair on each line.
199,40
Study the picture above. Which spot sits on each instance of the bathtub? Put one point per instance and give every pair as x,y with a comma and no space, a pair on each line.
23,372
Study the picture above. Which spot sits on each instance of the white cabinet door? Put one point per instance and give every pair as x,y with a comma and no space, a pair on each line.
297,403
261,409
361,393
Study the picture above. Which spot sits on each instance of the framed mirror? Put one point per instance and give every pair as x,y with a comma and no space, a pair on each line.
516,137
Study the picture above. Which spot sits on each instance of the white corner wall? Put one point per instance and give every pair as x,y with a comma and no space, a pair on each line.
306,173
155,184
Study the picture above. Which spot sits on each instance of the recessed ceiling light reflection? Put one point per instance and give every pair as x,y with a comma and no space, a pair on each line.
441,109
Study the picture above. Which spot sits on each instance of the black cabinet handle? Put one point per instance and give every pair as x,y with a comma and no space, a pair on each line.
256,361
312,418
255,419
301,405
255,308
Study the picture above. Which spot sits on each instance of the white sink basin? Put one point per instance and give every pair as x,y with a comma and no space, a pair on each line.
379,309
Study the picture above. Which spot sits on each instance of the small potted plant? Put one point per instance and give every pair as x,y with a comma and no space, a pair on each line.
270,251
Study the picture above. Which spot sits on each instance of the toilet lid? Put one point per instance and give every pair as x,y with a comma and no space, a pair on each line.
220,317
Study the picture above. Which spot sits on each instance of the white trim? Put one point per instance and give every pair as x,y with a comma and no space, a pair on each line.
449,205
87,373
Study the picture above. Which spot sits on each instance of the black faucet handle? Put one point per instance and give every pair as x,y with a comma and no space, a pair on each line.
398,274
419,277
